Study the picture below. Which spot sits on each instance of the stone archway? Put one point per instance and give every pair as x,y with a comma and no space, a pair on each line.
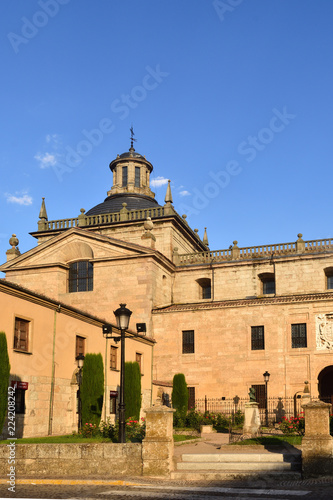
325,384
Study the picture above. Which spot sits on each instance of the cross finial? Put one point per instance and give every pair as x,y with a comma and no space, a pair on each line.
132,136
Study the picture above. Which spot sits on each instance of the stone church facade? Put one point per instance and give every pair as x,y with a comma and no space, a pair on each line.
221,317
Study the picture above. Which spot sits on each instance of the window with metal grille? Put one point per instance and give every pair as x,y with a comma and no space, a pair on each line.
138,359
188,341
80,276
113,357
137,177
298,335
124,175
257,338
191,397
79,345
260,394
21,334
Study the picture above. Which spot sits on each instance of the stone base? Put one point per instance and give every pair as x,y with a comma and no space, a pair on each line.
317,456
252,419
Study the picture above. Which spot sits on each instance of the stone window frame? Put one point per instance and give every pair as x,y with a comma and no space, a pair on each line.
139,360
124,176
266,280
78,348
137,176
114,358
205,288
328,278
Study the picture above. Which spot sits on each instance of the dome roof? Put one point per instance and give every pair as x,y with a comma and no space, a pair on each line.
114,203
131,154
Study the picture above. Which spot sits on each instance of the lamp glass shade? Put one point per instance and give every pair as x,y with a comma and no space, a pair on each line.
122,315
80,360
266,376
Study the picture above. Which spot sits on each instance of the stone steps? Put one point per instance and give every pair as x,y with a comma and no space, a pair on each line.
237,465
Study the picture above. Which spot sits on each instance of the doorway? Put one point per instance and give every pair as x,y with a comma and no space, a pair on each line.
325,384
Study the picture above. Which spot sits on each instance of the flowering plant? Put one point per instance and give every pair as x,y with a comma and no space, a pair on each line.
88,430
293,425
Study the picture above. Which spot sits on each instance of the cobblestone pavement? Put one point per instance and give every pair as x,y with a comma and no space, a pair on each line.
173,490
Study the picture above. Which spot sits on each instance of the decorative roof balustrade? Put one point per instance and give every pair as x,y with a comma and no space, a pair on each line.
255,252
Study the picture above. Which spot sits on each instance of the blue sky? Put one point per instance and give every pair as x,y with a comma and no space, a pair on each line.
232,100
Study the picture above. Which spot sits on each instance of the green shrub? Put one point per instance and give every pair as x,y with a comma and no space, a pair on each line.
4,378
180,394
92,389
132,390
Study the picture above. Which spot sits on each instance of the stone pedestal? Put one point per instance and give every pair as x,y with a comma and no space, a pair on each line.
252,419
317,444
158,447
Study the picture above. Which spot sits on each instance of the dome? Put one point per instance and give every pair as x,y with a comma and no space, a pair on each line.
114,203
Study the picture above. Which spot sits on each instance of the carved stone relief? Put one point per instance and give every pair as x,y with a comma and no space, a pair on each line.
324,331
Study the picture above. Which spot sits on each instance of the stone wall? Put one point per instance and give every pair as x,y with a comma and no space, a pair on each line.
68,460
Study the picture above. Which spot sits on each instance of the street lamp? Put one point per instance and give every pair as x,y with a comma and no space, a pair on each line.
79,361
266,376
122,315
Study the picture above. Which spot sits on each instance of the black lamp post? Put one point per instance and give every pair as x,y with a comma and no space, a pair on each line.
122,315
79,361
266,376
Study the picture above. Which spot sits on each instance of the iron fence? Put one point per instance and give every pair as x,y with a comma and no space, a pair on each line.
277,407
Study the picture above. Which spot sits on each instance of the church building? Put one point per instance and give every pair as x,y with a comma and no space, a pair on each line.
221,317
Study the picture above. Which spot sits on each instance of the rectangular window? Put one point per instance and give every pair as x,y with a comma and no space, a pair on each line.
257,338
20,400
138,359
330,282
21,334
124,174
206,292
260,394
80,276
298,335
80,345
113,404
113,357
191,397
268,287
137,177
188,341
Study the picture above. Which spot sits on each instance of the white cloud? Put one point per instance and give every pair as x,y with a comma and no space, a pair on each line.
185,193
158,181
53,138
19,198
46,159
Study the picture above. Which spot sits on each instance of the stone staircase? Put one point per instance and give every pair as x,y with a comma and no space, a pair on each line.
218,466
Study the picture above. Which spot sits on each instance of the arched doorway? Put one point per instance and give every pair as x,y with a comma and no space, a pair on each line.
325,384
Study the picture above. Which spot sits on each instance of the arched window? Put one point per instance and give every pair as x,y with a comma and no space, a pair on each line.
205,288
267,283
329,277
80,276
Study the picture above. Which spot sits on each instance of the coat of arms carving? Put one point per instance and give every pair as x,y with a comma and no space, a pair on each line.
324,331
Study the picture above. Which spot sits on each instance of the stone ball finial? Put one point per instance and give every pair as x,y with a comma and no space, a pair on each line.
184,216
13,241
148,224
124,205
82,210
299,235
235,242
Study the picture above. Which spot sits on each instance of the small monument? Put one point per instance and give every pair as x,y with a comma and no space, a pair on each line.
252,418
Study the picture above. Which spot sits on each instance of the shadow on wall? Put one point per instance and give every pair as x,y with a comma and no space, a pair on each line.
14,422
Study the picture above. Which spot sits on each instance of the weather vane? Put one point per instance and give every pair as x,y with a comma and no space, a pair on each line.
132,136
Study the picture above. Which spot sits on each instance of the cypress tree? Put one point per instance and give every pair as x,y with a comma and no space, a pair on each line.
92,389
4,378
132,390
179,393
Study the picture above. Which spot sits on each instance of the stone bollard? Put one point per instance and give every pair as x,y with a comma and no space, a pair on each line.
158,447
251,419
317,444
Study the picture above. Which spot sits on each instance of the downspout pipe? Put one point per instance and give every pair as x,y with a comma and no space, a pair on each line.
53,372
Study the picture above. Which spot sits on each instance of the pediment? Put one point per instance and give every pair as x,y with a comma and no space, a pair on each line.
75,244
